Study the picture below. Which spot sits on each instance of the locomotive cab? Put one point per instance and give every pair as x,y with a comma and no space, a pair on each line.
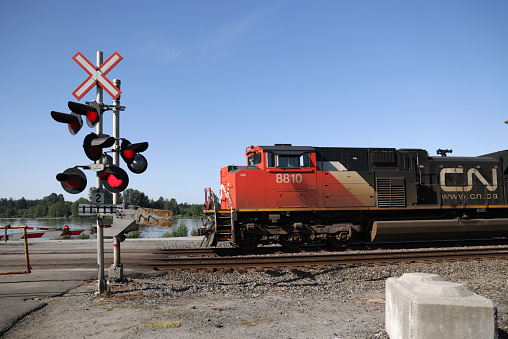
275,176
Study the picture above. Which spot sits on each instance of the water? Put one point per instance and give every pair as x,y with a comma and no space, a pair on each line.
87,224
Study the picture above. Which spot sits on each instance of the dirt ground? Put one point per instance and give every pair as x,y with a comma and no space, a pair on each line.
131,313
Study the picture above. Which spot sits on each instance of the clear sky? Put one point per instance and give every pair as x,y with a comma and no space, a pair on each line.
202,80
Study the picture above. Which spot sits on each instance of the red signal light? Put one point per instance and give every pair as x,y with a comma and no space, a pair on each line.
93,145
130,154
72,180
92,111
92,116
73,120
114,179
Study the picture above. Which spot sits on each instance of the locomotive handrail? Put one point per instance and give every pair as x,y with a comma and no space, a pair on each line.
290,169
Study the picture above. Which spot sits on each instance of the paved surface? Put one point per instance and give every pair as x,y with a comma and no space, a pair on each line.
21,294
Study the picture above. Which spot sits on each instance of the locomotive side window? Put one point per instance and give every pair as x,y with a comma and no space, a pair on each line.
255,159
288,160
270,160
305,160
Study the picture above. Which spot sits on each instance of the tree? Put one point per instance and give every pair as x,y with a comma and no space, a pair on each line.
53,198
173,206
75,206
21,204
60,210
135,197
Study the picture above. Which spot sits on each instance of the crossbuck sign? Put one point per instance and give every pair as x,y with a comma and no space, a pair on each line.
97,75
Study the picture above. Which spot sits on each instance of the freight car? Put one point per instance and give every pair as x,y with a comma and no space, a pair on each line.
295,195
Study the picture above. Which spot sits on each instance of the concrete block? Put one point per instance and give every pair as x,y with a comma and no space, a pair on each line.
420,305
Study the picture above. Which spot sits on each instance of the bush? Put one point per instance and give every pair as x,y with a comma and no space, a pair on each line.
133,234
180,231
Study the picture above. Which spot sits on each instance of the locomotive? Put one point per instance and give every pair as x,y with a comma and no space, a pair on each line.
294,195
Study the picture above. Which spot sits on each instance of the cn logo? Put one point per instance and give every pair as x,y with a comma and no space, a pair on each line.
470,173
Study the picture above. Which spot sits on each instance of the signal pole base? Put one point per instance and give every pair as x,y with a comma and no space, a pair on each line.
115,273
102,286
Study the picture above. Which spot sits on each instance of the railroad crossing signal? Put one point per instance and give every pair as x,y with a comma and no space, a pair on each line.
93,145
114,179
136,162
110,175
92,112
97,75
73,180
73,120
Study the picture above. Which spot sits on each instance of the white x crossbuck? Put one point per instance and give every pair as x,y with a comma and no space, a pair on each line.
97,75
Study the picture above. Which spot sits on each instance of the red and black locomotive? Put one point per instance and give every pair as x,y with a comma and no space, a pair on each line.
295,195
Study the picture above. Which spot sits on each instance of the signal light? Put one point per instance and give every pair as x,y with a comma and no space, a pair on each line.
114,179
92,112
130,154
93,145
73,120
73,180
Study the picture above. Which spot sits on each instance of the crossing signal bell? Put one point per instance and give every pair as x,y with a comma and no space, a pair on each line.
136,162
73,180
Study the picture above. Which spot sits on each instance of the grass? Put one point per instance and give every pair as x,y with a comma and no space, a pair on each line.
133,234
171,324
250,322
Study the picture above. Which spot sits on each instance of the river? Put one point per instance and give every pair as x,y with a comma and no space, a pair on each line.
87,224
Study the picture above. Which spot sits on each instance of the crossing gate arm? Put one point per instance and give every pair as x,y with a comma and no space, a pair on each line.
153,217
27,257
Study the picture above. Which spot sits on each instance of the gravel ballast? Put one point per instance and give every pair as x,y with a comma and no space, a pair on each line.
325,302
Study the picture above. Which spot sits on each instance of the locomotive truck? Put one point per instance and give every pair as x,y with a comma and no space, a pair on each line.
294,195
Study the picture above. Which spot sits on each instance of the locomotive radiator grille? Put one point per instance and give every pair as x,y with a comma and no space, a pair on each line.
391,192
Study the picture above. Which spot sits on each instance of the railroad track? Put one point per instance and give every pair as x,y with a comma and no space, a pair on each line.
231,251
259,262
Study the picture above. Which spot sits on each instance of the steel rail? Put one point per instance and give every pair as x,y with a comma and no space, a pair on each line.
328,259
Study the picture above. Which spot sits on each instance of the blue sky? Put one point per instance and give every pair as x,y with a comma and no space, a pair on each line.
202,80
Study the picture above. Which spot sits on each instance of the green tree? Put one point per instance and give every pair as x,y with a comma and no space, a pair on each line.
41,210
173,206
135,197
75,206
52,199
59,210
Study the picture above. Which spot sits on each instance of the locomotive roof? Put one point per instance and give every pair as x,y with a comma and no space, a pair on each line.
464,159
288,149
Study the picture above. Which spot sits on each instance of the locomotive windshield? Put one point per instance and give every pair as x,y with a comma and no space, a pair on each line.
287,160
254,159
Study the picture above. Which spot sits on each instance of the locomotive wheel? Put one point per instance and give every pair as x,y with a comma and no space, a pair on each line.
335,242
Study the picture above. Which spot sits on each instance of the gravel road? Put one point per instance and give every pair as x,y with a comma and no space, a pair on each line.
294,303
